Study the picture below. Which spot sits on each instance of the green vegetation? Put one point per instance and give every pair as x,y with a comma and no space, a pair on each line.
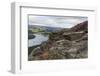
39,31
35,30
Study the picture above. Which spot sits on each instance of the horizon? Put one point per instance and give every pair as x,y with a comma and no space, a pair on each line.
55,21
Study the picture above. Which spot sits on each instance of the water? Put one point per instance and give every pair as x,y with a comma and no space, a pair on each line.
39,38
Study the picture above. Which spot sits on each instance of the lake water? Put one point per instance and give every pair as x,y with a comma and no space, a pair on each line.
39,38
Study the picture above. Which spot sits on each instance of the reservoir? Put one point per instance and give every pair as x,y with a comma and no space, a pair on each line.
39,38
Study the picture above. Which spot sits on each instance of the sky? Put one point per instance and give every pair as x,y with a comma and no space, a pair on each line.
55,21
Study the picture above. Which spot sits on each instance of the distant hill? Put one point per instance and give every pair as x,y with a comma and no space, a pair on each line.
46,28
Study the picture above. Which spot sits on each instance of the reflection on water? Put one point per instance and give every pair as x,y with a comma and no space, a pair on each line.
39,38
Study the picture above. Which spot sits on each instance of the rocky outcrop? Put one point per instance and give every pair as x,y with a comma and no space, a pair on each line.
64,44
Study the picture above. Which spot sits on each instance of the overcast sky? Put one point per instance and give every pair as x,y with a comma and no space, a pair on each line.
55,21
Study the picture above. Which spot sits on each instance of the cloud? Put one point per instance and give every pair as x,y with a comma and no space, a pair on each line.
54,21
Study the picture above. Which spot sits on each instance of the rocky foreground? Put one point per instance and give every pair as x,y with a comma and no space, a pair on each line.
64,44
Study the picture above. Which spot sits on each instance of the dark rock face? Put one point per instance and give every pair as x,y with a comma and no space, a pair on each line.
64,44
80,27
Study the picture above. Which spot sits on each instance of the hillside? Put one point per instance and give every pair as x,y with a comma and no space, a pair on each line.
80,27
